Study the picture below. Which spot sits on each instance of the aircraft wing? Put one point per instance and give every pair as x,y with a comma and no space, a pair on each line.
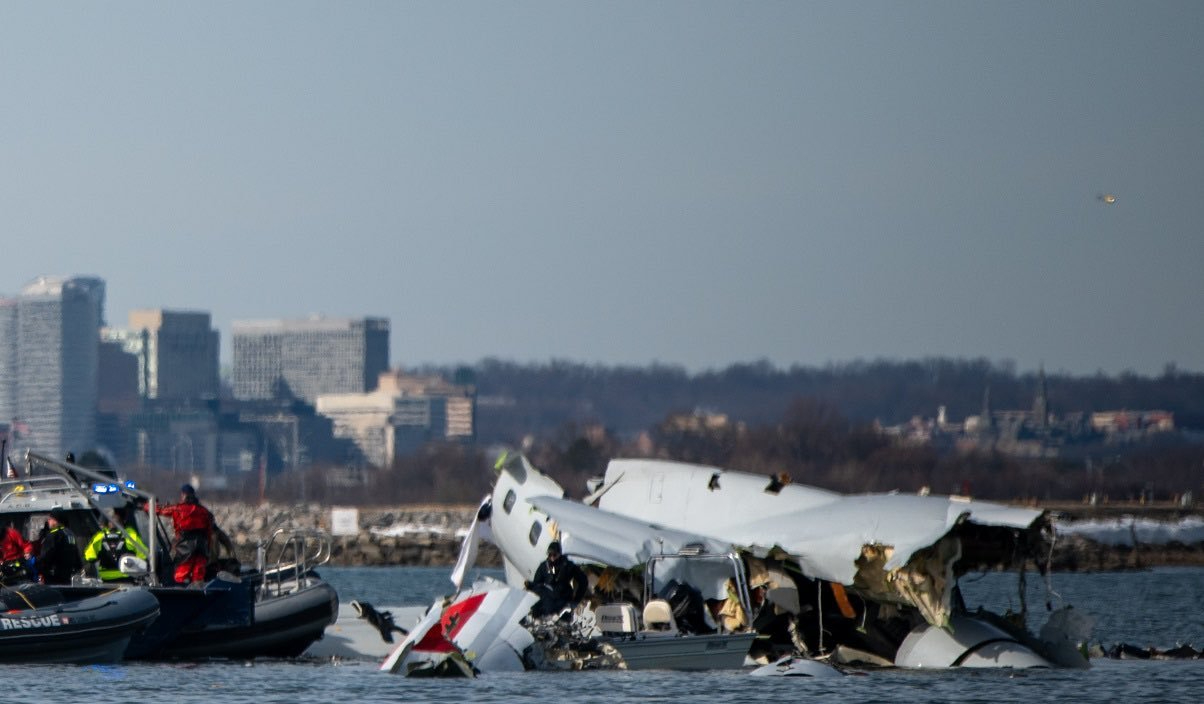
825,531
591,534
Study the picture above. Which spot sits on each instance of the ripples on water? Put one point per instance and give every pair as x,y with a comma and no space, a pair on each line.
1159,607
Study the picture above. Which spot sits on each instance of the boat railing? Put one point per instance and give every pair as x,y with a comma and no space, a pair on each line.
72,476
32,488
733,561
288,556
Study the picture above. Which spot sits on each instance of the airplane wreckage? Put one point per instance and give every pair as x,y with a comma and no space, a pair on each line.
696,567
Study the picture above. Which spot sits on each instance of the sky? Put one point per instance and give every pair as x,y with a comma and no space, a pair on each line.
691,183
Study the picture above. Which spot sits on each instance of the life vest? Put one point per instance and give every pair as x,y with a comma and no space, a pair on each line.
112,547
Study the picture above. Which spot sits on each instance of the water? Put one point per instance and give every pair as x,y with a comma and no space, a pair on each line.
1159,607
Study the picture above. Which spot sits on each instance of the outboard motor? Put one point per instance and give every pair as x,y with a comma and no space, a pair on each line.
687,606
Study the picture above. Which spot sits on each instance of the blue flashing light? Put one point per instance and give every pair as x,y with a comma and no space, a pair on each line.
105,489
131,484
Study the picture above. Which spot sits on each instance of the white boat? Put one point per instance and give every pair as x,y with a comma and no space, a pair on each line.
657,651
659,643
670,651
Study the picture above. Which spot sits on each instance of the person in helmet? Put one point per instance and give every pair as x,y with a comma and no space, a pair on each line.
113,541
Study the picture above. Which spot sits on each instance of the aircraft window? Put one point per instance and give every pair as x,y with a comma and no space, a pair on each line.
533,536
508,502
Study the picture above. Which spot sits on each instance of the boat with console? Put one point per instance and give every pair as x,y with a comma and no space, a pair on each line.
267,609
293,606
657,641
41,625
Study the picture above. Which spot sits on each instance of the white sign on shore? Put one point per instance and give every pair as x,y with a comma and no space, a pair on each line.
344,521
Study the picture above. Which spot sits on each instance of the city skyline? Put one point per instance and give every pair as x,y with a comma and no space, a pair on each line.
227,353
697,184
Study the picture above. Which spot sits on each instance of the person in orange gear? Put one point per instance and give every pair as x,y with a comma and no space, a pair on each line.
193,524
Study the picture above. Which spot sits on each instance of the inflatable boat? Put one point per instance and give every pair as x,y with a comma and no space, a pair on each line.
39,625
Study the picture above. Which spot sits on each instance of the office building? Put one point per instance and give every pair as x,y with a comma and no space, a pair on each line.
8,359
402,414
176,353
300,359
57,319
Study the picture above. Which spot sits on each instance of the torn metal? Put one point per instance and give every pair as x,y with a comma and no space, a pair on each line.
899,549
771,571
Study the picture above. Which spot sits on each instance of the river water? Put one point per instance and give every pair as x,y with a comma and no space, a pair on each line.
1160,607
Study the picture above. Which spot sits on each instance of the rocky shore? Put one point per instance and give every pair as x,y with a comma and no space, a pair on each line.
431,535
403,535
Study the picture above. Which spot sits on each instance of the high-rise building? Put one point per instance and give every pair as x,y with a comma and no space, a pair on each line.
57,319
8,359
177,353
300,359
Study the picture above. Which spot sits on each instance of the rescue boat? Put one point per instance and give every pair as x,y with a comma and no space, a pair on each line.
274,608
40,625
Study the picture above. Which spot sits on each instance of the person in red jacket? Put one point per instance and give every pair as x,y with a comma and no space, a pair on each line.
15,552
193,525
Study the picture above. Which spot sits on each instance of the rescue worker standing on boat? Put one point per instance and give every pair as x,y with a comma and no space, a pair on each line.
193,524
110,543
59,557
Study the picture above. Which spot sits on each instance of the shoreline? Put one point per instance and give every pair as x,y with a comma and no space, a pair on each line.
431,534
410,535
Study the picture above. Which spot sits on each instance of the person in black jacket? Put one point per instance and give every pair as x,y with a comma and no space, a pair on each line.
558,582
59,557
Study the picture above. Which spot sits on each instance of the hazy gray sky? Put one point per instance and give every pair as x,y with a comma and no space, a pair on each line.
697,183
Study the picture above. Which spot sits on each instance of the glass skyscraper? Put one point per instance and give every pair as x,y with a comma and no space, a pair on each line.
48,363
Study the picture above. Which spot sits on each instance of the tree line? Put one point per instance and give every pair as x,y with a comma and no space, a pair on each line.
816,425
517,400
813,443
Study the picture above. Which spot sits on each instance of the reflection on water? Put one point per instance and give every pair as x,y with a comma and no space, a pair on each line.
1157,607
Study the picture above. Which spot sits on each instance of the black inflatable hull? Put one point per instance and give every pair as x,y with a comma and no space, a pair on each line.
95,629
220,604
284,626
